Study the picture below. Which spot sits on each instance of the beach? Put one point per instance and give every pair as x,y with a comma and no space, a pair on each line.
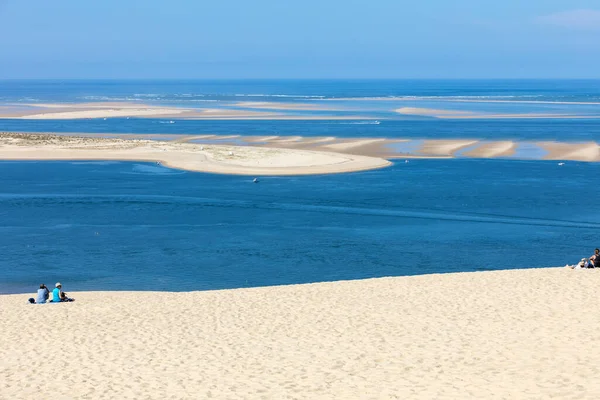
221,159
405,280
526,334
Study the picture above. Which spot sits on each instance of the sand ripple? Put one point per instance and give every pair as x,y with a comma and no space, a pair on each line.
521,334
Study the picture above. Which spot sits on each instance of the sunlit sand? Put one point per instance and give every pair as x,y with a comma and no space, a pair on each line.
520,334
222,159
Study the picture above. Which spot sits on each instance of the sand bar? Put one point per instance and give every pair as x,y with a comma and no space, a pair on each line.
445,148
455,114
285,106
519,334
491,150
382,148
66,111
572,151
451,99
193,157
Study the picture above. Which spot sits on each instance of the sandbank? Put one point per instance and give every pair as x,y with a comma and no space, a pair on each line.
444,148
60,111
454,114
284,106
517,334
491,150
451,99
351,144
382,148
108,113
572,151
237,160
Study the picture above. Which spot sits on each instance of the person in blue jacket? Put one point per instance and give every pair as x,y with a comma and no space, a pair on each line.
42,294
56,293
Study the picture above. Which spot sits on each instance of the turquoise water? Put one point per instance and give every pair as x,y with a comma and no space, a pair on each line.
137,226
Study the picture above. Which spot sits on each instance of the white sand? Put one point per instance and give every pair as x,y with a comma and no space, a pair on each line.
107,113
56,111
194,157
521,334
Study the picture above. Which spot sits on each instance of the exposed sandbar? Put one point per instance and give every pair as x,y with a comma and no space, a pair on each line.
520,334
382,147
572,151
60,111
244,160
450,99
491,150
454,114
285,106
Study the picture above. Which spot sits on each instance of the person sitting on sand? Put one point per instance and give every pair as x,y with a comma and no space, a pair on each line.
595,259
58,295
42,294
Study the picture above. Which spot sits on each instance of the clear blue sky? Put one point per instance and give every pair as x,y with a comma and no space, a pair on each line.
299,39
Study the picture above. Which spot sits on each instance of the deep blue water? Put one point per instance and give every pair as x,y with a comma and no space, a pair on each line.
135,226
292,90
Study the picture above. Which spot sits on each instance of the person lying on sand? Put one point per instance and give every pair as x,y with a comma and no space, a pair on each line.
584,263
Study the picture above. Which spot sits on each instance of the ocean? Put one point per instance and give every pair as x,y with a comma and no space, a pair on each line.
140,226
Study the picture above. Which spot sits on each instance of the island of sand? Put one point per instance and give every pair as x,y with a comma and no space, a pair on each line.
223,159
520,334
122,109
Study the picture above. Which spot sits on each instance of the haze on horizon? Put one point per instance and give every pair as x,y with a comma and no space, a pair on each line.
262,39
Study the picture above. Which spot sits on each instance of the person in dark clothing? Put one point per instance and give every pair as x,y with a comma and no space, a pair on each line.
595,259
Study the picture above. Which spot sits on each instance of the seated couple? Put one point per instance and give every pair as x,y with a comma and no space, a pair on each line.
57,295
592,262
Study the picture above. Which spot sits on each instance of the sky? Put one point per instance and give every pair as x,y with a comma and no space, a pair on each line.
262,39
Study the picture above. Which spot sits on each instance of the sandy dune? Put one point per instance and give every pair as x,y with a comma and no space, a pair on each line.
194,157
520,334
